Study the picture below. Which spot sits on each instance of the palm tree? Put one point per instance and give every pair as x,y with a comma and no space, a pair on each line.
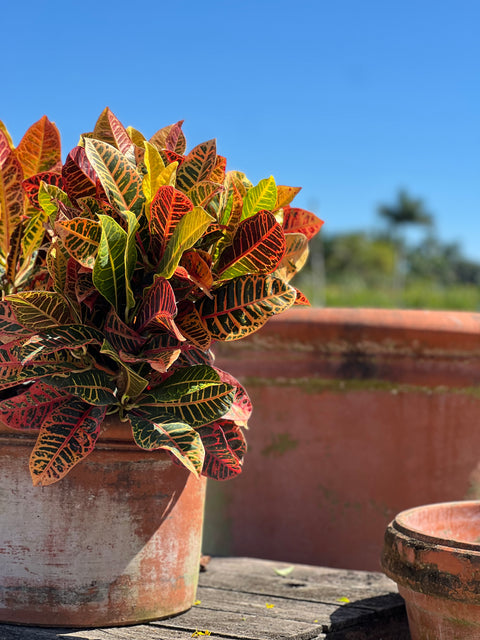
406,211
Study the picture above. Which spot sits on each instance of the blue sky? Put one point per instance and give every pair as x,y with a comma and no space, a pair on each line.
349,99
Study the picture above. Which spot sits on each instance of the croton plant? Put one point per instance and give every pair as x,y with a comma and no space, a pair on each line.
119,269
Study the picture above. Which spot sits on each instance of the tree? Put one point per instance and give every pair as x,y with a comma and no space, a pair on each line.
405,211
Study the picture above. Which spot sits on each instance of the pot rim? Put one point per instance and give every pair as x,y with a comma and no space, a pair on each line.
401,523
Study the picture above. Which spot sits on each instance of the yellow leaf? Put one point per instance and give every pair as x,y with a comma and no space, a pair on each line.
268,605
343,599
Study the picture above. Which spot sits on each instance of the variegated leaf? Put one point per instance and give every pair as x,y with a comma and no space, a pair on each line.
31,185
241,408
119,177
57,259
34,232
10,328
167,209
243,305
285,195
38,310
78,175
70,337
198,265
6,142
190,229
198,165
39,149
201,193
194,328
11,200
28,410
81,238
221,461
301,221
130,383
108,128
14,256
92,385
170,138
179,439
67,436
52,200
263,196
121,336
301,300
191,395
257,247
218,172
158,309
296,255
13,372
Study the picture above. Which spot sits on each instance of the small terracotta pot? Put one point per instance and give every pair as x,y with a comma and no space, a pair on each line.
117,541
433,553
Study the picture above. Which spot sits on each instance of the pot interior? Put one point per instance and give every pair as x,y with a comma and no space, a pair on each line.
449,523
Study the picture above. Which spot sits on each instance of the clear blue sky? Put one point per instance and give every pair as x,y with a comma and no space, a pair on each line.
350,99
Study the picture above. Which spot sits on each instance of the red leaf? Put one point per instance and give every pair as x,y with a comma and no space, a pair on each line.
159,308
31,186
259,243
224,449
301,221
79,176
168,207
28,410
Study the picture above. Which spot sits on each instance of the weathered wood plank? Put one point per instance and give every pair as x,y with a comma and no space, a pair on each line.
245,599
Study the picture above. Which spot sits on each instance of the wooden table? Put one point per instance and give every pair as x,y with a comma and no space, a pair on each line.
247,599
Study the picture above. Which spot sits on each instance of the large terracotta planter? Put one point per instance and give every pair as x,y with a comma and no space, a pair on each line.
117,541
433,553
358,414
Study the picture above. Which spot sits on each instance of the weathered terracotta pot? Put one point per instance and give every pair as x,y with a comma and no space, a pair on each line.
433,553
358,414
117,541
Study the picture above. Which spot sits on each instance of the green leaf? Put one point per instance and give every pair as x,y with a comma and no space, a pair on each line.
257,247
243,305
190,229
130,383
177,438
49,196
115,263
38,310
28,410
263,196
119,178
34,232
191,395
67,436
93,386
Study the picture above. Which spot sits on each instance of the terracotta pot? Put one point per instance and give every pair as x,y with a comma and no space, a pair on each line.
117,541
357,413
433,553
